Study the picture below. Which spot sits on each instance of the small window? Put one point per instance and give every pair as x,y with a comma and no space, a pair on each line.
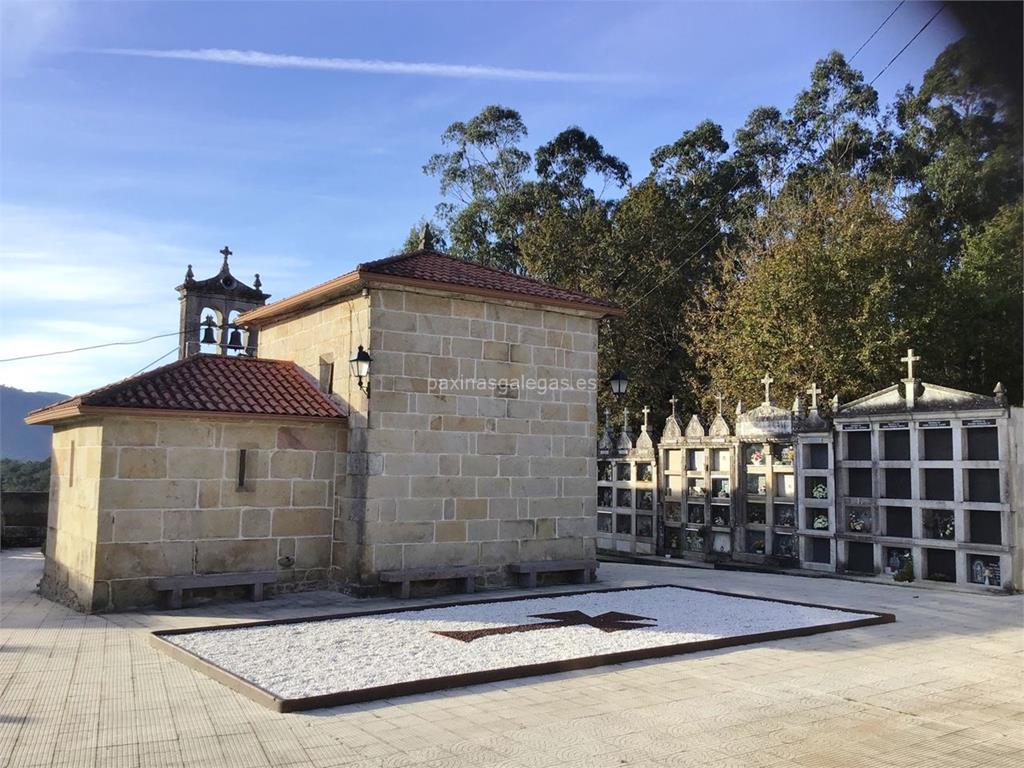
821,551
938,444
985,527
71,465
327,375
242,456
899,522
982,444
817,456
858,446
897,444
983,485
859,482
897,483
938,484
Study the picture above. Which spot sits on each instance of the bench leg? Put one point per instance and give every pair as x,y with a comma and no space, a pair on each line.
257,592
586,576
174,599
406,590
531,579
470,584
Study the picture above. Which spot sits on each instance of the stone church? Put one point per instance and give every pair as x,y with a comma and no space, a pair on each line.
418,412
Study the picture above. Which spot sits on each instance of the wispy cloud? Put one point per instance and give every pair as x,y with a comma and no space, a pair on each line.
368,66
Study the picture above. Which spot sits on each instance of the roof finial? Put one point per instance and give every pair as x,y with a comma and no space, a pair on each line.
257,283
426,238
225,252
189,274
1000,393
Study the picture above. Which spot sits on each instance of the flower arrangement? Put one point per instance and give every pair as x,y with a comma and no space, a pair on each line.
723,490
696,490
820,522
820,491
759,547
719,521
857,524
757,457
786,455
946,528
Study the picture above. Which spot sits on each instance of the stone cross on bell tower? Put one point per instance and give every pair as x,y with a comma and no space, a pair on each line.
218,298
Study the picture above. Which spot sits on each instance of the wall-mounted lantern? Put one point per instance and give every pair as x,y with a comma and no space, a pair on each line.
360,363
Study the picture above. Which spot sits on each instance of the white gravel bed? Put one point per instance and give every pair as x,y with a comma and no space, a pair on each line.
320,657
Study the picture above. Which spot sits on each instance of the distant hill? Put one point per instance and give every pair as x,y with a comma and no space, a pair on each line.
17,439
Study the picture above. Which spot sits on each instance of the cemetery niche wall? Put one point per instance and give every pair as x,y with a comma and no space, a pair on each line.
916,477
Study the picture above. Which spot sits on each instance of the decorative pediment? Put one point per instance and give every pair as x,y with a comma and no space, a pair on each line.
673,429
644,443
625,441
764,421
930,397
695,427
605,444
720,427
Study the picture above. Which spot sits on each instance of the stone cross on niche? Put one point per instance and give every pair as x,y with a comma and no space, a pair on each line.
721,399
910,359
767,381
625,419
608,417
813,391
645,411
673,400
225,252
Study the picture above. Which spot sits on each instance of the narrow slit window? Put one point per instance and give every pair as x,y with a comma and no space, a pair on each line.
242,453
71,465
327,375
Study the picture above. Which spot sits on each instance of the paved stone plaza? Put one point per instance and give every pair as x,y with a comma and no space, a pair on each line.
943,686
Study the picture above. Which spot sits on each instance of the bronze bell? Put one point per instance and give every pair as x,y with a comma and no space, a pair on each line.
235,339
208,331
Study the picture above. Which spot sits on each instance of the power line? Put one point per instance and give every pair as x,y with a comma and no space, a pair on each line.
877,30
911,40
696,253
149,365
94,346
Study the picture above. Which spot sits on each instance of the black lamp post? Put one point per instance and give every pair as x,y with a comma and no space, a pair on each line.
619,382
360,364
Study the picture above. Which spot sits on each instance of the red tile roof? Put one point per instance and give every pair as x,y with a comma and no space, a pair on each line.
214,384
440,268
431,269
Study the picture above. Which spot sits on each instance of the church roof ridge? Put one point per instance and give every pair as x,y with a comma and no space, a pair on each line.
429,268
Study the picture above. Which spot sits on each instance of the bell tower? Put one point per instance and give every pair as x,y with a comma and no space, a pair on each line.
208,310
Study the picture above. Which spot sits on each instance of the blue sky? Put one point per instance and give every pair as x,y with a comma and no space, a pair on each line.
117,170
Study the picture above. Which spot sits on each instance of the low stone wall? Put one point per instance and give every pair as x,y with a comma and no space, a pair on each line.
23,518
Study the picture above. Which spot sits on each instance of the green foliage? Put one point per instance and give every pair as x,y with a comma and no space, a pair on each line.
906,571
815,292
18,475
828,238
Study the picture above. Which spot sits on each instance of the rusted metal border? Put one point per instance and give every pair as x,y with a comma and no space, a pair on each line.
262,696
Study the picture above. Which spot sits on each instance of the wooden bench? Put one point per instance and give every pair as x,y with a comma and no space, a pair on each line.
174,585
586,568
465,573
